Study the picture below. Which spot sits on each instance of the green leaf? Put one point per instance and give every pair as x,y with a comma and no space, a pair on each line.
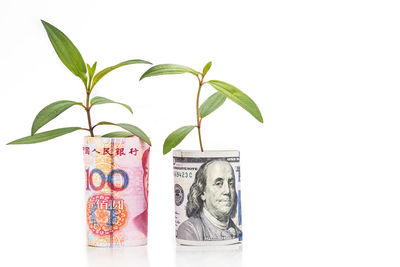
164,69
97,100
101,74
105,123
91,70
50,112
207,68
44,136
66,51
176,137
238,97
136,131
118,134
211,104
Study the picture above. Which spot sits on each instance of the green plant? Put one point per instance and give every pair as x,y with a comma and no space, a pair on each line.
224,90
73,60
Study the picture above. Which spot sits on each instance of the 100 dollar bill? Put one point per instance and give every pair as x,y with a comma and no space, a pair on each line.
207,197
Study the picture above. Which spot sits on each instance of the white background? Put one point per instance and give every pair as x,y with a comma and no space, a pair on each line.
320,177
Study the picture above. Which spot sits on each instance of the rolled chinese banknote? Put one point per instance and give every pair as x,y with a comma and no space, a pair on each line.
207,197
116,171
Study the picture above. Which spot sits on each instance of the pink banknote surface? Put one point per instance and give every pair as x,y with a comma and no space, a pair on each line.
116,171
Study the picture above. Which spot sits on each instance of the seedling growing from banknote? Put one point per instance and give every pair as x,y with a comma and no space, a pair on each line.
72,59
224,90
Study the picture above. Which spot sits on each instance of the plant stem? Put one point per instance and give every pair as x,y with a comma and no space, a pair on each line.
87,108
197,112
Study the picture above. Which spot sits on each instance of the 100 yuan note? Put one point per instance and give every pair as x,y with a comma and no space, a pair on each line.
116,172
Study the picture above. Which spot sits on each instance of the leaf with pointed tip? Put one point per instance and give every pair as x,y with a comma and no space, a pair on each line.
50,112
165,69
176,137
136,131
211,104
91,70
238,97
118,134
207,68
66,51
44,136
97,100
105,123
101,74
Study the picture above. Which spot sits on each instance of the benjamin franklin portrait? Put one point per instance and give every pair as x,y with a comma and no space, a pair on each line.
212,203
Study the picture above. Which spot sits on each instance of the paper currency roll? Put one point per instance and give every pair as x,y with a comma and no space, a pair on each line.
116,171
207,197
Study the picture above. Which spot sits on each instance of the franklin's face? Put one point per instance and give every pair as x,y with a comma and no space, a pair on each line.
219,193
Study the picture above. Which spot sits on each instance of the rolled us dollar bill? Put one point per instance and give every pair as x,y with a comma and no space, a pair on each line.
116,171
207,197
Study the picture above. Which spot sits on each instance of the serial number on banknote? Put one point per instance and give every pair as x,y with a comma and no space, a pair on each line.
183,174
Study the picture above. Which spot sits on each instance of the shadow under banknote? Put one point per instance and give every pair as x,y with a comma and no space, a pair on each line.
127,256
221,256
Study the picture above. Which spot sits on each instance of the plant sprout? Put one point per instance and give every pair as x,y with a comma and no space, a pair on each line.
224,90
72,59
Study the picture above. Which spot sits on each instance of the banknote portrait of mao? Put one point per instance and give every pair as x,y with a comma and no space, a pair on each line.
212,203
